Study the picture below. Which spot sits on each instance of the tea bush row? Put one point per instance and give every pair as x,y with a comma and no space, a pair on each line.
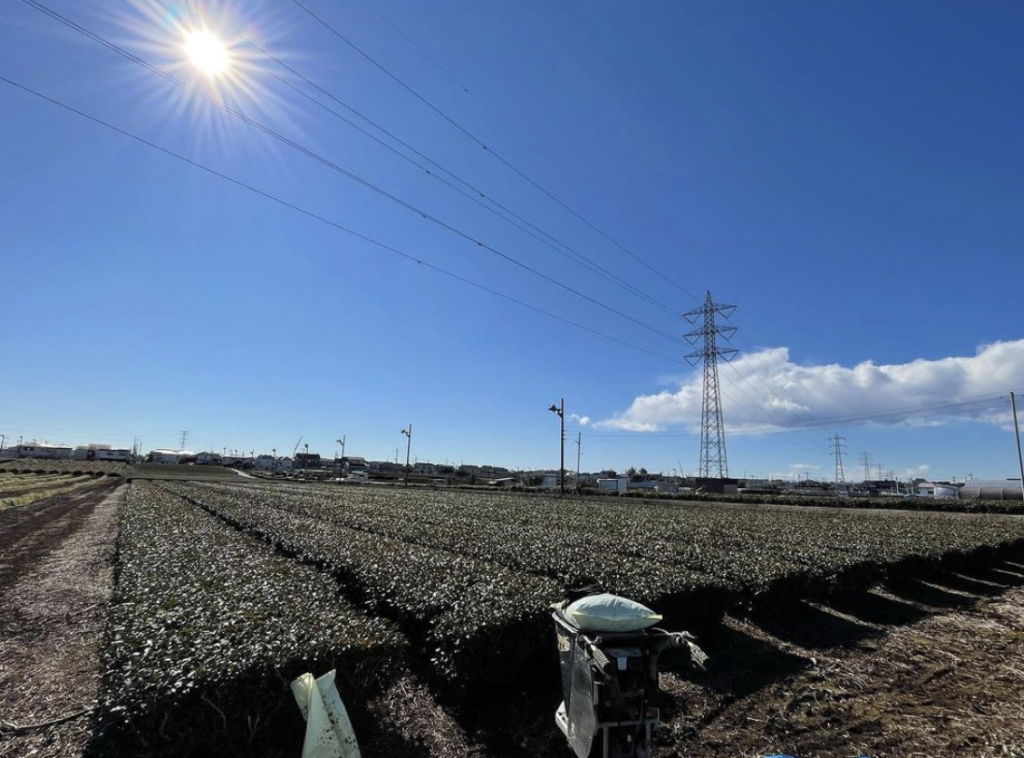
208,627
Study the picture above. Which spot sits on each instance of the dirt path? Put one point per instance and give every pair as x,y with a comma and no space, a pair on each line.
29,531
925,670
56,576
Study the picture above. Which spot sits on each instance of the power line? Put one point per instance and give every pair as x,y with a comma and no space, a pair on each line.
471,192
257,125
471,136
331,223
422,52
466,90
505,162
927,411
579,257
343,171
458,82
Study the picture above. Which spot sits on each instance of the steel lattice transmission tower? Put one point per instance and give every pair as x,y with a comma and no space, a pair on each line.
838,450
712,430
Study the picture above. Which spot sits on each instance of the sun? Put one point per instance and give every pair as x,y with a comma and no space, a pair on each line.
207,52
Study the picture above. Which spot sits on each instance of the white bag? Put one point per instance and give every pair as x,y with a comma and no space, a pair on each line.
609,613
329,732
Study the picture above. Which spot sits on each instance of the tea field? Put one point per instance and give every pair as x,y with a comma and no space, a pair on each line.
225,591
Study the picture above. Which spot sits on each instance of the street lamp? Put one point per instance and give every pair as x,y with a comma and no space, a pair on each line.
560,410
408,450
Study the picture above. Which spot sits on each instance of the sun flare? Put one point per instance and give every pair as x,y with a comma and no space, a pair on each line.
207,52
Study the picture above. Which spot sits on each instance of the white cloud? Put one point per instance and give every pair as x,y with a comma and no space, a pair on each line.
764,391
581,420
916,471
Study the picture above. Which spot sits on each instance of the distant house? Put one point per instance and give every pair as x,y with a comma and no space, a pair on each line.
641,482
209,459
270,463
719,486
549,481
424,468
164,455
305,461
96,451
42,450
618,484
355,466
494,472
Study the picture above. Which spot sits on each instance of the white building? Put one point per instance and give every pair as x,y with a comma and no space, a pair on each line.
42,450
164,455
97,451
620,484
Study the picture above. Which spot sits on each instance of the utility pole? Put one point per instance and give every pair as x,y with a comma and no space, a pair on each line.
408,450
560,410
1016,436
341,466
712,428
838,448
865,458
184,439
579,452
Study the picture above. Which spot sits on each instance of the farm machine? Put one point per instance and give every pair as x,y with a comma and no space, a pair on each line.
610,683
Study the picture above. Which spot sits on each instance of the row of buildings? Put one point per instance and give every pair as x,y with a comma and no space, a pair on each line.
46,451
355,467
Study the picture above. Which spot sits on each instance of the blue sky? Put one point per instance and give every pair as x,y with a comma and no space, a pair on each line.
849,174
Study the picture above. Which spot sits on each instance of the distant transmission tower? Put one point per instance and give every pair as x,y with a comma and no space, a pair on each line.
712,431
865,458
839,449
184,439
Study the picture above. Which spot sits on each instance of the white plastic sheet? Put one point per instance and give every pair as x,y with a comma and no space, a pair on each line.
609,613
329,732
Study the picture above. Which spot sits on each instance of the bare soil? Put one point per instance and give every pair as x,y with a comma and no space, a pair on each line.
56,576
927,669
